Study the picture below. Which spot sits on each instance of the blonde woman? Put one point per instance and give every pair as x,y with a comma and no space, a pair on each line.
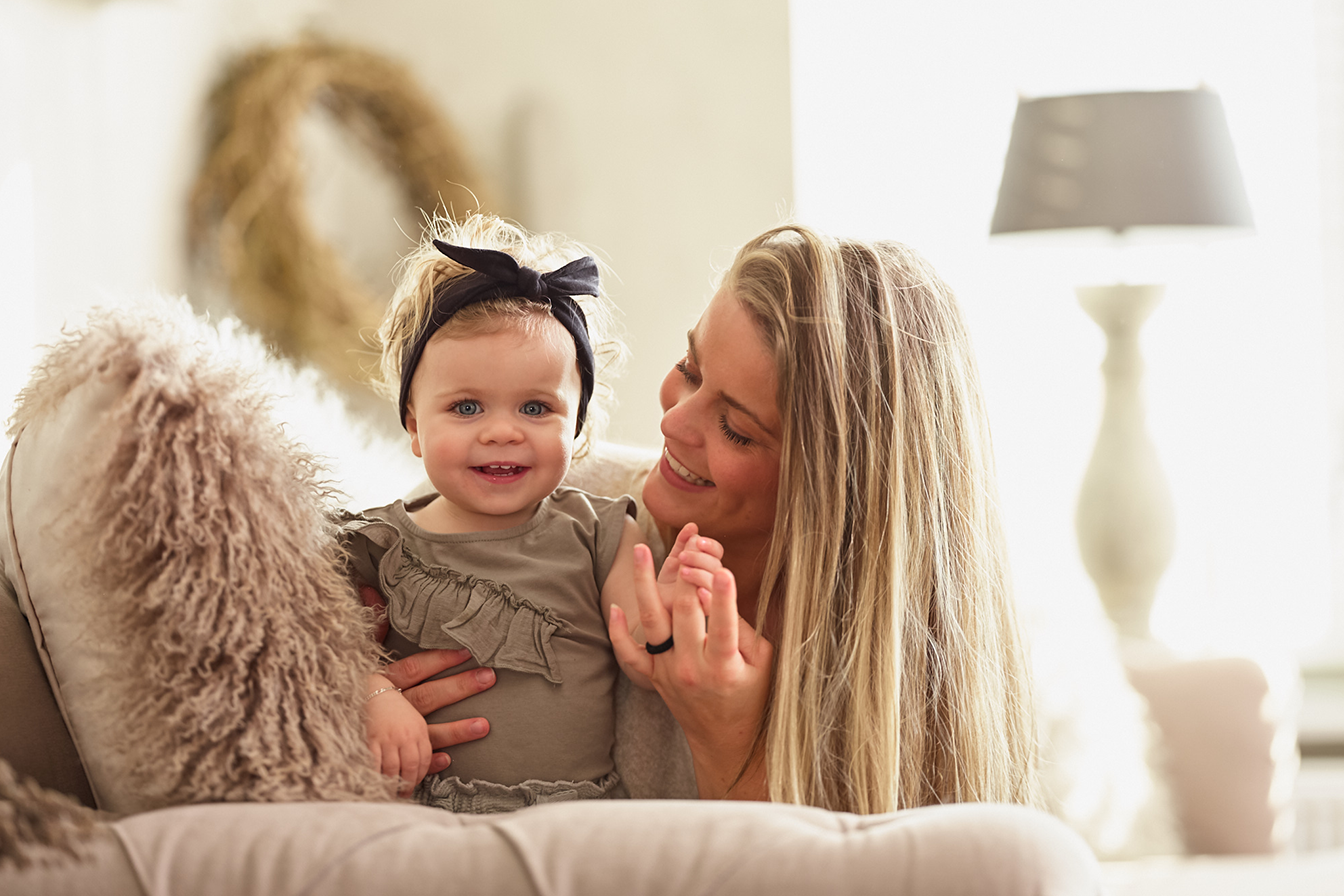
858,649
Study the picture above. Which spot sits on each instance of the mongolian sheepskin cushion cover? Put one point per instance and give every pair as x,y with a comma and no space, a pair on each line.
177,565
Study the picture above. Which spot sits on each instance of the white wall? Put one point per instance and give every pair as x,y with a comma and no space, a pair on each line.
901,119
656,133
99,136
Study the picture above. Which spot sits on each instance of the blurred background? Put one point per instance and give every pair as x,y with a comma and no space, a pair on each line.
663,135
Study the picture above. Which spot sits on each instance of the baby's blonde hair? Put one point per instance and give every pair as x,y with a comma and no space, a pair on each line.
425,268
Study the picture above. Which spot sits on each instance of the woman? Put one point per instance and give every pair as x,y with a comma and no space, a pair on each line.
860,650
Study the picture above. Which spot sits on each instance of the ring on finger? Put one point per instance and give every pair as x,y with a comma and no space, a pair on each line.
659,648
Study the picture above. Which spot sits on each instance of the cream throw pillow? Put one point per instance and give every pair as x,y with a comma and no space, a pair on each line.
176,563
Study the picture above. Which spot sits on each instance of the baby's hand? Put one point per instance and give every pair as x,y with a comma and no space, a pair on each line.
694,559
398,735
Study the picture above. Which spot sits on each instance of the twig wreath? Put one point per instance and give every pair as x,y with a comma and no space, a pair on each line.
284,279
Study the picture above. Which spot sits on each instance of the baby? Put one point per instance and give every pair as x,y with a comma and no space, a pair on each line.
493,369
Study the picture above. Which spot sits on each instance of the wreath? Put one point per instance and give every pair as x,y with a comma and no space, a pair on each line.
248,202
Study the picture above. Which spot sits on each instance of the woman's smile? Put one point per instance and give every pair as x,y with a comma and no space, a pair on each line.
683,473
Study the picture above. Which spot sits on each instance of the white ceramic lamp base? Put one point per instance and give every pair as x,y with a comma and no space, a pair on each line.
1126,528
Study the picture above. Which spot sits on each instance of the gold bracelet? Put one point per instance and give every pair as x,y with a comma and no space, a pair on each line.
373,694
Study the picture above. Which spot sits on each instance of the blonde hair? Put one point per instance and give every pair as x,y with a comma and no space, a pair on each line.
900,676
421,272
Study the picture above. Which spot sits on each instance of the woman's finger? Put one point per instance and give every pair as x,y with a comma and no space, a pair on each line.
446,691
450,734
437,763
631,657
758,652
688,620
724,639
652,615
410,671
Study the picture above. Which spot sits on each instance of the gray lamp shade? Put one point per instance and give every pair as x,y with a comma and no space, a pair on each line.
1121,160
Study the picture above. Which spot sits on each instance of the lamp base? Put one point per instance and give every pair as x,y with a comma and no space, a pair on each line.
1125,523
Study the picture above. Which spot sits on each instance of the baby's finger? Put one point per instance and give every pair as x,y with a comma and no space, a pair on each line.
700,560
391,762
410,761
376,751
687,532
424,753
707,545
698,578
668,573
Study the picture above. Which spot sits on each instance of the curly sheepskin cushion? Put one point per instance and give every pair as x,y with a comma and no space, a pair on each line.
177,565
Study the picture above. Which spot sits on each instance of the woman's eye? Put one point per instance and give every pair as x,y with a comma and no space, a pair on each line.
731,434
534,409
467,408
684,368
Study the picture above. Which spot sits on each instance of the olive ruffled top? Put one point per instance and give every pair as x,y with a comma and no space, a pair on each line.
526,602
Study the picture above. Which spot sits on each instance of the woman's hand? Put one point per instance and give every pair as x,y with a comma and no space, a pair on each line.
716,677
410,674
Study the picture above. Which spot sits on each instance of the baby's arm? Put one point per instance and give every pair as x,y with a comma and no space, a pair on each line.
397,732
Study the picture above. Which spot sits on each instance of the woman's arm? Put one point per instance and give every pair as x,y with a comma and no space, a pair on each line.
716,677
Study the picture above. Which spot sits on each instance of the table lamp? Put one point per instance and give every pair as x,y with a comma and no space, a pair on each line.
1124,163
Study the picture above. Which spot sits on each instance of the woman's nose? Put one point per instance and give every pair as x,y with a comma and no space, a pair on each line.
678,423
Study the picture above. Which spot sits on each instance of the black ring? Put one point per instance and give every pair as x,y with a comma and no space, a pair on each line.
659,648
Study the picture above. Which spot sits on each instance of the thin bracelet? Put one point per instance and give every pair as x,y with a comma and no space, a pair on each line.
372,694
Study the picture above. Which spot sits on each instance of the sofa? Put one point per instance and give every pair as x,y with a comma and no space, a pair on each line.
1192,767
180,662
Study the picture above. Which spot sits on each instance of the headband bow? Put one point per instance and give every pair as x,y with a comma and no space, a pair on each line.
498,275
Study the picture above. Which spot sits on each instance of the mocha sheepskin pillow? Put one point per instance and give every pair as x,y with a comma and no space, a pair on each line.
176,562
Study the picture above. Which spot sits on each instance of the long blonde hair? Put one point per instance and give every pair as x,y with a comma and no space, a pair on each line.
426,267
900,676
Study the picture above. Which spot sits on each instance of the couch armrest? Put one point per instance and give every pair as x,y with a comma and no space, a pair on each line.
591,847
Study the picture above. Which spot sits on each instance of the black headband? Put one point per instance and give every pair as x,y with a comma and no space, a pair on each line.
498,275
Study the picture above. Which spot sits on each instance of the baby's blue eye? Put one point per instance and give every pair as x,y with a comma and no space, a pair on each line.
467,408
534,409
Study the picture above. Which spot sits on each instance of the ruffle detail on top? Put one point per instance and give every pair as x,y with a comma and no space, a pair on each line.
483,797
436,606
